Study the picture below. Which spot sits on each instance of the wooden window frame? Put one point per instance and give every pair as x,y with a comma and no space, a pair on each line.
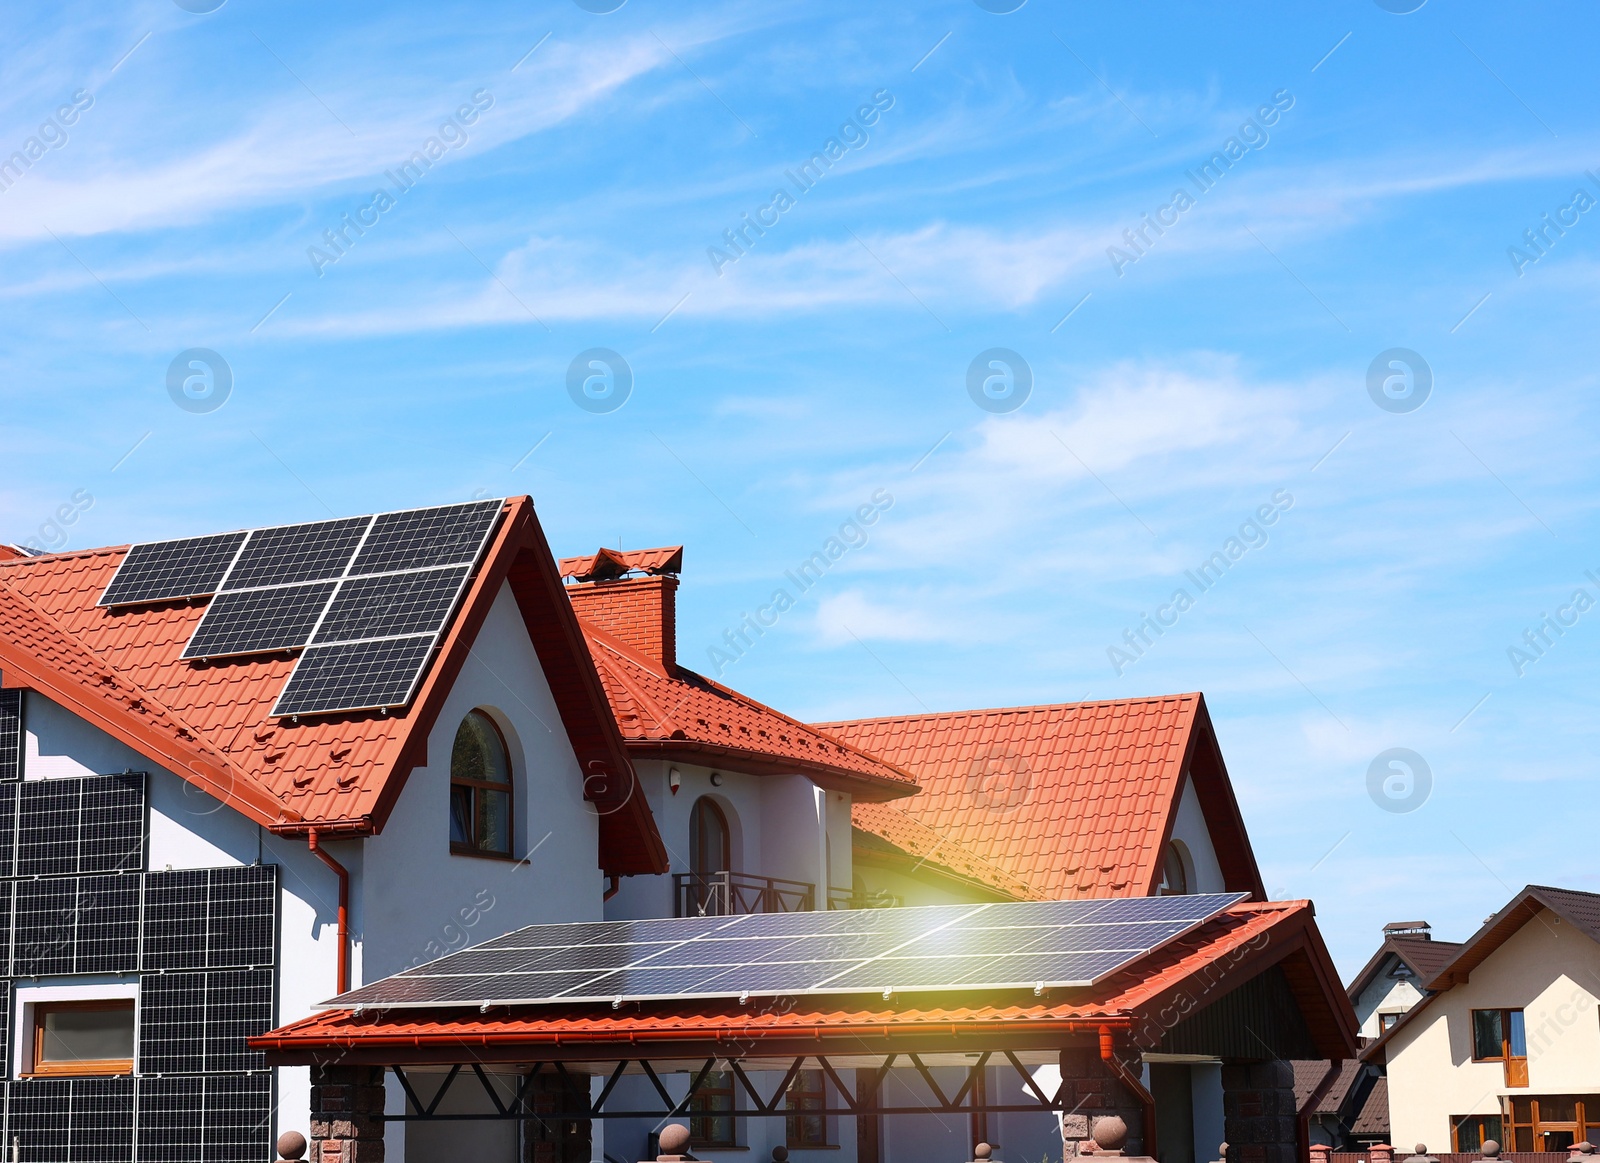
1516,1065
714,1102
507,789
1482,1121
83,1068
798,1112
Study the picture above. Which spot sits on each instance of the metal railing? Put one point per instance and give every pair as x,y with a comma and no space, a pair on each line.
845,898
730,894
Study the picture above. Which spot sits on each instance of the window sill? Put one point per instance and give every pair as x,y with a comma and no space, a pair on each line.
479,853
83,1070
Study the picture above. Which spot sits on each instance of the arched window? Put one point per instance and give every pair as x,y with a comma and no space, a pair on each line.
480,789
708,839
1174,871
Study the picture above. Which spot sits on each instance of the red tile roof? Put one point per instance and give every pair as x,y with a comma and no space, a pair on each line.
613,563
666,711
884,833
121,670
1230,949
1075,800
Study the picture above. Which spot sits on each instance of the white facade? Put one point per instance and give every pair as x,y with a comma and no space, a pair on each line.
1386,995
1547,969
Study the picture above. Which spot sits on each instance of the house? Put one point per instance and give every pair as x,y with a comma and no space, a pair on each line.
1505,1045
242,773
771,823
1353,1113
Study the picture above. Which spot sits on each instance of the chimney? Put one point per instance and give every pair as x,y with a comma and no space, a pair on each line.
633,596
1409,929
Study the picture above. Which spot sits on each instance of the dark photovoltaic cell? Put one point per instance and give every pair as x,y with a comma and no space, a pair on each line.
210,918
71,826
259,621
198,1023
162,571
1061,944
81,924
10,735
393,604
355,676
10,793
419,538
314,551
71,1120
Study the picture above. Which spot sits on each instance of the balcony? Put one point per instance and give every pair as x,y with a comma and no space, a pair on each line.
844,898
730,894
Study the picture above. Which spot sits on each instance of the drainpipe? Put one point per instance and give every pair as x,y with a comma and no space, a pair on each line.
1131,1081
613,886
343,874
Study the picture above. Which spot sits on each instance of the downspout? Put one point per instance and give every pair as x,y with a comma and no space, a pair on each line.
613,886
1131,1081
343,874
1302,1117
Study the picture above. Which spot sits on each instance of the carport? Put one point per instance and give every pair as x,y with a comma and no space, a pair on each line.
911,1078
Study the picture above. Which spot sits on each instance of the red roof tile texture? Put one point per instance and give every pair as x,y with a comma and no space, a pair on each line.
1241,941
122,670
666,711
1074,800
885,831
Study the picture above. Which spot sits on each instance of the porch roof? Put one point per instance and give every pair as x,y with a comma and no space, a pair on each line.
1140,1003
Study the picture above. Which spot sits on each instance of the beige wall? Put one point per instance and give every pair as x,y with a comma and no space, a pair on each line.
1547,969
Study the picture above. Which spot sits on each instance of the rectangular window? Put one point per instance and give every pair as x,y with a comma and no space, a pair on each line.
82,1038
1501,1036
1468,1132
711,1121
806,1126
1387,1022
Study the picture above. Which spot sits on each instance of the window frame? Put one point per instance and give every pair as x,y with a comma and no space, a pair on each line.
713,1104
802,1107
1176,853
477,786
82,1068
1515,1065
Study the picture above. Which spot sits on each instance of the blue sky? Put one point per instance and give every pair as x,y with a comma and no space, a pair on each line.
607,153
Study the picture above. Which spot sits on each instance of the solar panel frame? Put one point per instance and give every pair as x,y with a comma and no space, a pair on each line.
392,545
308,551
344,677
148,572
260,621
1025,944
416,602
11,748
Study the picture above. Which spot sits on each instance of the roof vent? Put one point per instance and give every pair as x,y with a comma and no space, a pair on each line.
1409,929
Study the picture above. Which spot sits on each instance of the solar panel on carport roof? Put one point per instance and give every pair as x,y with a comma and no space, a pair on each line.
162,571
941,947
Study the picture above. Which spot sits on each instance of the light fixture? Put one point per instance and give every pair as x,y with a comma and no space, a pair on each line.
674,779
716,779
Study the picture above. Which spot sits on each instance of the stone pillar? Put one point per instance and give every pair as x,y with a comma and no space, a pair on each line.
346,1114
1321,1153
1093,1092
1381,1153
1259,1112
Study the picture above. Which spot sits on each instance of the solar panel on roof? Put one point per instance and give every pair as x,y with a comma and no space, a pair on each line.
163,571
1018,945
355,676
418,538
259,621
387,605
313,551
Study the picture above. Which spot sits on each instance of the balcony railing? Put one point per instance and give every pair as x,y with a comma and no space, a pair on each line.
844,898
728,894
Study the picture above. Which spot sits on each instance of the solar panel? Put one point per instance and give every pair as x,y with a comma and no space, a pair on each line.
313,551
10,735
162,571
419,538
1016,945
89,824
85,1120
259,621
355,676
389,605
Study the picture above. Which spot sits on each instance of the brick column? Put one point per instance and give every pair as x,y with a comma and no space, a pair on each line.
1259,1112
346,1110
1093,1092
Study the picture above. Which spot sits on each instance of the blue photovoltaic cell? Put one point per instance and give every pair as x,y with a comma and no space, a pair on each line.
1012,945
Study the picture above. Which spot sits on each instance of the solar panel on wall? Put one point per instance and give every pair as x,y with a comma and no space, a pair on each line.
10,735
89,824
1014,945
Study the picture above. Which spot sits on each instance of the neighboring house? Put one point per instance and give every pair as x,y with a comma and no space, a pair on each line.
1394,979
1506,1044
194,850
1353,1112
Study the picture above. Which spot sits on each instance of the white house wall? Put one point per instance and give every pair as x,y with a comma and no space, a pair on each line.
1384,995
1190,828
1549,970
